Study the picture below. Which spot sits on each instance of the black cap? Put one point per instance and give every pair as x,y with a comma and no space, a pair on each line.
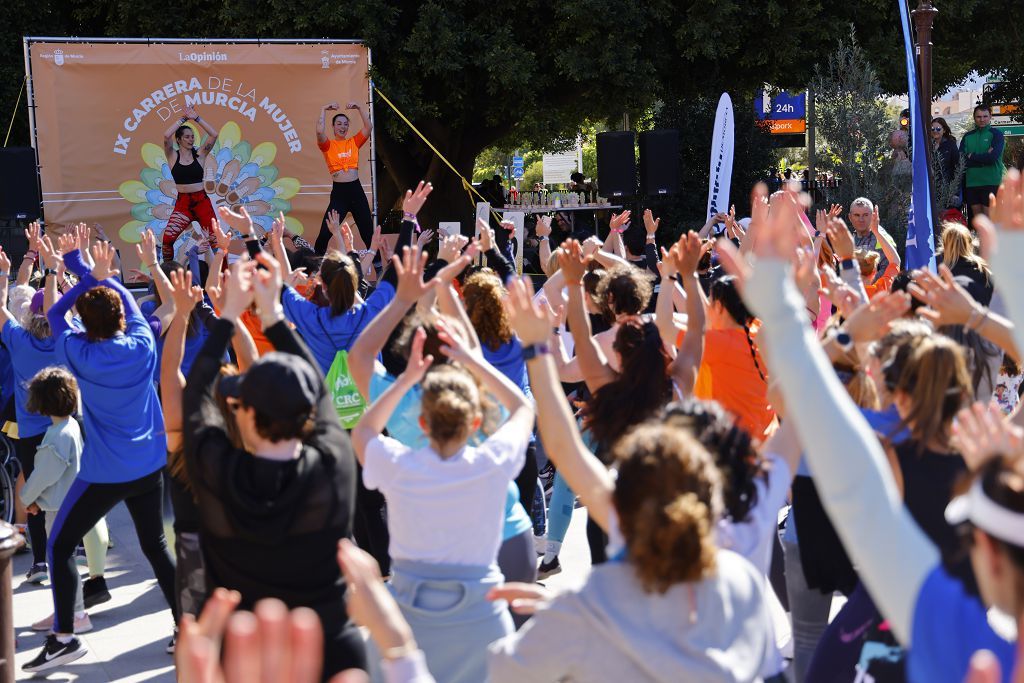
278,384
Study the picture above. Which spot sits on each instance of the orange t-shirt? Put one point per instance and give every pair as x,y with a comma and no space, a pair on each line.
884,283
728,375
342,155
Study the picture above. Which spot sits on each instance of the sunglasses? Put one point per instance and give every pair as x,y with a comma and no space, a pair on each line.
937,129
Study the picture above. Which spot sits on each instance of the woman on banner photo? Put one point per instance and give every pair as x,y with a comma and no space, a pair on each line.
187,169
342,157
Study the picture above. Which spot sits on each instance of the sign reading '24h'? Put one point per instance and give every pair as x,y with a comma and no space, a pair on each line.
784,113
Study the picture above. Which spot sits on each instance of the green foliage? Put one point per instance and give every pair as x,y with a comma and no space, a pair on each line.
853,127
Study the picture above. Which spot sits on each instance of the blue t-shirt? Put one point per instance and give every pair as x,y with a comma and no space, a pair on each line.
6,377
949,627
29,355
121,411
326,334
508,360
404,426
193,343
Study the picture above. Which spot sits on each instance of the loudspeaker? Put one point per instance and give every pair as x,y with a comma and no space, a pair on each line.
616,164
19,189
659,162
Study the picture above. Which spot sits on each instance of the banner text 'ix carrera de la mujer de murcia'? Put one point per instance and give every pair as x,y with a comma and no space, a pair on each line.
101,110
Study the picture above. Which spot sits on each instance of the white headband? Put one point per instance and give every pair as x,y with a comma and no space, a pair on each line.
987,515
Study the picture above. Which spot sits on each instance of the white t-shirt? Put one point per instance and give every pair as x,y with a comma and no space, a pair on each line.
753,537
446,511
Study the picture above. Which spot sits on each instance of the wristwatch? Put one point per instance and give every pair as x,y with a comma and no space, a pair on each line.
844,341
847,264
533,350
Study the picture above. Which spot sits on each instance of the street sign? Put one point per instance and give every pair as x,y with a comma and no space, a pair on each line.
517,162
517,172
783,114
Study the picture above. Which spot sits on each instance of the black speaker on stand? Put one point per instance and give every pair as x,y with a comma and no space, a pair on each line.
616,164
659,162
19,186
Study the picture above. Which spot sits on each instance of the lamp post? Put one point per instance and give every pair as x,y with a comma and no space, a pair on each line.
924,19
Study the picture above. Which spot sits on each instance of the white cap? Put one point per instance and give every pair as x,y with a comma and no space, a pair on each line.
992,518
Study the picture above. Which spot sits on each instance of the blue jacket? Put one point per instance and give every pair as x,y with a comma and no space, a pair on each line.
29,355
124,425
326,334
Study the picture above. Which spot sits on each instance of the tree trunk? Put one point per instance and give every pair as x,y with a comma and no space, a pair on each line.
402,164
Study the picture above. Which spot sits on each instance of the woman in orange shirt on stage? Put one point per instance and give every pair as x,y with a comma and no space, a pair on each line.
342,157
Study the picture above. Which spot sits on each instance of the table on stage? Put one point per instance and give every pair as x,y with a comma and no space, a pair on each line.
554,209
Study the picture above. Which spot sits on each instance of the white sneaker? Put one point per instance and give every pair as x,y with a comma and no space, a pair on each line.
540,544
82,623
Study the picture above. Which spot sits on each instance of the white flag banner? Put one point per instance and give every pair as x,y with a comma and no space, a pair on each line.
722,148
518,218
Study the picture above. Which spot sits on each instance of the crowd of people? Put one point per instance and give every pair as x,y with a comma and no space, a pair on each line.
758,416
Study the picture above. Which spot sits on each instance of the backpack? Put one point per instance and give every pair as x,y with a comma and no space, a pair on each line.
347,400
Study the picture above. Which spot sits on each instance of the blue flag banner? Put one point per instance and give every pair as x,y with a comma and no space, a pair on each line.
920,252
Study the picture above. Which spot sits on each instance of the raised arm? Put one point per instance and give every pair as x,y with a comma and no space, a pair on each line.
592,364
543,232
686,253
32,235
583,472
321,124
169,136
888,246
172,382
851,469
367,124
211,132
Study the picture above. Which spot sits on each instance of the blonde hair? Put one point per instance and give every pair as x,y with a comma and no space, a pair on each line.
483,293
450,403
958,245
932,371
668,495
867,261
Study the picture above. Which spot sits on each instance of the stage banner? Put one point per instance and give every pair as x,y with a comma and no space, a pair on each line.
722,146
101,110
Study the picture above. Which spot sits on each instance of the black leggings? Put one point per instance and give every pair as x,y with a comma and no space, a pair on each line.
25,449
83,506
526,480
345,198
370,525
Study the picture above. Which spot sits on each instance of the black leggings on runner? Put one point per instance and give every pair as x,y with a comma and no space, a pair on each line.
25,449
526,480
345,198
370,523
83,506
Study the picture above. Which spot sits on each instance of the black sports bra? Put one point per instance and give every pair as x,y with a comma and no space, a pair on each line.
187,175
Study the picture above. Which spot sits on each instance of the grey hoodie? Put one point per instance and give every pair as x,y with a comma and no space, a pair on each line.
716,630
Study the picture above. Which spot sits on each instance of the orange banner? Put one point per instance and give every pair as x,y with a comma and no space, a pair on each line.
786,126
101,110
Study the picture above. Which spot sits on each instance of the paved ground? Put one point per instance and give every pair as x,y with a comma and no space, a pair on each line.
131,631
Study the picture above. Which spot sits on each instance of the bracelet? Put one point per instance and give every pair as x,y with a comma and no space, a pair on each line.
151,266
400,652
33,254
542,238
533,350
3,274
618,230
197,119
183,119
976,318
409,216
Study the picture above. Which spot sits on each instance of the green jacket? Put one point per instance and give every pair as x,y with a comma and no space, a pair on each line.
983,168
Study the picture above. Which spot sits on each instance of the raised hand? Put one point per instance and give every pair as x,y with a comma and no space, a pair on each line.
67,243
424,238
5,262
347,242
184,294
138,276
146,249
572,262
332,106
49,254
835,211
531,322
619,220
191,113
223,238
409,269
651,223
297,277
334,223
592,245
982,432
353,105
486,235
238,292
375,239
841,239
239,221
840,293
947,301
414,199
451,246
103,256
871,321
874,221
457,264
543,228
686,253
267,283
418,363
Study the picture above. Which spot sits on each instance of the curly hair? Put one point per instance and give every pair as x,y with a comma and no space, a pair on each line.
483,294
102,313
53,392
624,290
667,496
731,447
642,387
450,403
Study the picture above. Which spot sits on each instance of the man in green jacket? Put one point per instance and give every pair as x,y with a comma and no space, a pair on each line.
982,149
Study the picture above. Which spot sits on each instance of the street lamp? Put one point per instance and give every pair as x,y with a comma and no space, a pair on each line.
924,19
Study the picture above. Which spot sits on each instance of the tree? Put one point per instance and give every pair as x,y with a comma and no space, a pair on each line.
854,128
